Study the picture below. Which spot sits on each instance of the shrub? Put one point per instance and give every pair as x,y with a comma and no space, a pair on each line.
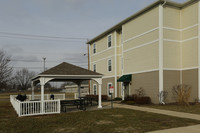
182,93
130,97
140,92
117,99
143,100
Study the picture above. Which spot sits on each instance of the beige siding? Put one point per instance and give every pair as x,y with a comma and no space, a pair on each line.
189,15
171,17
141,24
171,78
149,82
171,34
108,53
119,65
190,77
190,53
189,33
141,59
146,38
171,55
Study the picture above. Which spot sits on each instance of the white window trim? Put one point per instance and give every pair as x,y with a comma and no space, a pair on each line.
108,88
108,65
95,67
95,48
110,40
96,88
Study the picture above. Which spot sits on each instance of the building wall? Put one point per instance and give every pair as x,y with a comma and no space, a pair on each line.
149,82
137,52
189,21
171,78
190,77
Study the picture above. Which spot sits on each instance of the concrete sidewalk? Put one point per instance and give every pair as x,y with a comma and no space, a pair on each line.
189,129
159,111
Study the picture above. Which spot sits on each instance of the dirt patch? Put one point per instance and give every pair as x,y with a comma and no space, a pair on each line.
104,122
117,116
65,130
125,130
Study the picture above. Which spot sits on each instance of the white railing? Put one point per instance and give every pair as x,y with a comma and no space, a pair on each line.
28,108
76,95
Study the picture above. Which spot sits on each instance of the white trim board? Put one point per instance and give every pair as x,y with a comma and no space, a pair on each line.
105,58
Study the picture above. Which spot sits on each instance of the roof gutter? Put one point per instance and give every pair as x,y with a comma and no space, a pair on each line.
157,2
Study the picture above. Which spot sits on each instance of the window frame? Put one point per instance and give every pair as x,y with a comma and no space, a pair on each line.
109,67
94,67
94,50
109,41
94,85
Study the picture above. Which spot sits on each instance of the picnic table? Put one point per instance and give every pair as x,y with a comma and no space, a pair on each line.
78,103
88,100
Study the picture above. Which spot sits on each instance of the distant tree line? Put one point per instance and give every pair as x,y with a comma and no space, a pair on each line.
13,80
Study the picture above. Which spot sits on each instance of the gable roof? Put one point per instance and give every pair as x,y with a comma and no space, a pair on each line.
151,6
68,69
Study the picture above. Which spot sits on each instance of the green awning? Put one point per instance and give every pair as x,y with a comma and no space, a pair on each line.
125,78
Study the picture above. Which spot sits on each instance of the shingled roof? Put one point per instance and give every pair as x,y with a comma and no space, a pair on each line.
68,69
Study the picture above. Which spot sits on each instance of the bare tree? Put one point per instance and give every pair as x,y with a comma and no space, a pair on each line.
5,69
23,78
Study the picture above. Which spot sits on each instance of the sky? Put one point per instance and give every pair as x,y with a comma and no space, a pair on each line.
57,29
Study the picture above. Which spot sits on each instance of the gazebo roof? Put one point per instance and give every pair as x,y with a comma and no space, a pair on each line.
69,71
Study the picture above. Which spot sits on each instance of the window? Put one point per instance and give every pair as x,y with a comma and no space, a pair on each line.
94,48
109,65
94,67
95,89
109,41
108,89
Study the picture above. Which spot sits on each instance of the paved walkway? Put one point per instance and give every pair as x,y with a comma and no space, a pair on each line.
188,129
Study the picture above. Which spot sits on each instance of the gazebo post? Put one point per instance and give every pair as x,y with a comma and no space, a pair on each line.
42,83
99,81
32,86
100,106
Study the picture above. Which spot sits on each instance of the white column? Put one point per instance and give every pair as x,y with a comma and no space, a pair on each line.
32,86
99,81
123,91
100,106
42,83
160,49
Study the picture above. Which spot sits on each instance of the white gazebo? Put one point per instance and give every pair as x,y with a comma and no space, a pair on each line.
61,72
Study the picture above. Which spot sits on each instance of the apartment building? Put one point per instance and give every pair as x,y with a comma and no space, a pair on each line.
154,49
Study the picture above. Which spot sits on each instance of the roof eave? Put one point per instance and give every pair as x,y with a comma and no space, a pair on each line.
157,2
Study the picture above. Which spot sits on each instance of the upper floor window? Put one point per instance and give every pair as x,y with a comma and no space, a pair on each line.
109,41
109,65
94,48
94,68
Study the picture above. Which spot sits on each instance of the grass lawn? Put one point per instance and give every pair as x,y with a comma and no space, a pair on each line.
195,109
98,121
